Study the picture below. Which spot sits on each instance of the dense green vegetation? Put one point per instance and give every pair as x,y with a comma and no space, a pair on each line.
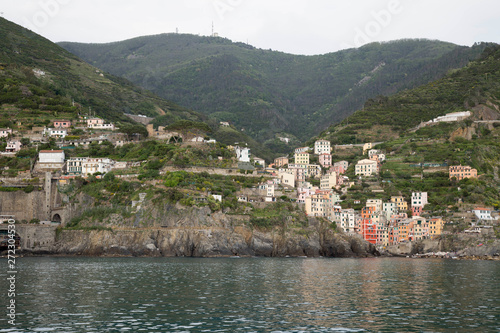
266,92
469,88
279,214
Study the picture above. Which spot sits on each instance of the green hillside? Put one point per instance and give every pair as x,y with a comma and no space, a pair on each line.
474,88
266,92
41,80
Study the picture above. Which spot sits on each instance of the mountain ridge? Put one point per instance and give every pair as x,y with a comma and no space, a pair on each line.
268,92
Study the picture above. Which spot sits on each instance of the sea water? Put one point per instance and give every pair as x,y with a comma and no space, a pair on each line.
88,294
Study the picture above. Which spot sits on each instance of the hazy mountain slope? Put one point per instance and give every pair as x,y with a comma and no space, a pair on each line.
39,75
267,92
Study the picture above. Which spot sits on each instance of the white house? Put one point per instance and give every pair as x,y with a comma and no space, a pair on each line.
270,190
483,214
389,208
282,139
217,197
322,147
419,199
328,181
93,165
287,179
366,168
301,150
242,153
51,156
58,133
13,146
260,161
347,219
197,139
5,132
98,123
50,159
74,165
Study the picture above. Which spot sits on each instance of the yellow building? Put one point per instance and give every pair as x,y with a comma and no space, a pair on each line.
400,202
302,158
435,226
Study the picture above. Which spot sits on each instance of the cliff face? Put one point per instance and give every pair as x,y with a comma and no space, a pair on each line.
460,245
209,242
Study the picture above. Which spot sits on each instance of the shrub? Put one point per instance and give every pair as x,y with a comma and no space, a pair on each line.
29,188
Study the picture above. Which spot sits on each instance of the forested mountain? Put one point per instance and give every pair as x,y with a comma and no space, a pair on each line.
39,77
266,92
475,88
40,82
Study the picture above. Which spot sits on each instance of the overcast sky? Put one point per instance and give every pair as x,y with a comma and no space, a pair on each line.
292,26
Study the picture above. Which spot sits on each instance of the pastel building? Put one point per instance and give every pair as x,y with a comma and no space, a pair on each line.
375,203
462,171
400,202
347,219
343,164
287,179
13,146
390,209
318,204
436,225
62,123
301,158
5,132
94,165
325,160
260,161
280,161
418,201
366,168
368,226
328,181
74,165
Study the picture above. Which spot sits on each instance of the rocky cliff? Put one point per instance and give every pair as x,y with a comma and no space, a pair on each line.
209,242
459,245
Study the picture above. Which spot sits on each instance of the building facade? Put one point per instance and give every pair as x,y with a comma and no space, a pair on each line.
462,171
322,147
366,168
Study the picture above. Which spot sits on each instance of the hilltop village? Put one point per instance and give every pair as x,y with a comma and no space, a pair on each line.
309,178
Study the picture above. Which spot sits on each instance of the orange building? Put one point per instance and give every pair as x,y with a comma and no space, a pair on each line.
462,171
280,161
368,226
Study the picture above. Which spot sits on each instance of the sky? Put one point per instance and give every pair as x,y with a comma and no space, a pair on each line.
292,26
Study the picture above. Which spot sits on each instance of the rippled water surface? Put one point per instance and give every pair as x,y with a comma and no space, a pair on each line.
253,295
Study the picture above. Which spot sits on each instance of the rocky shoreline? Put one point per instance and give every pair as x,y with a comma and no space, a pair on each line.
209,242
455,246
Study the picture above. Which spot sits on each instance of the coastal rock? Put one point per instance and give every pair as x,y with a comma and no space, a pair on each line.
209,242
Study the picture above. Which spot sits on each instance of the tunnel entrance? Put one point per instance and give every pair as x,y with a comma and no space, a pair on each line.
56,218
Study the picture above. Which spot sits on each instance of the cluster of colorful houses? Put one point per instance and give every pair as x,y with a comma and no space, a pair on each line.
60,130
381,223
